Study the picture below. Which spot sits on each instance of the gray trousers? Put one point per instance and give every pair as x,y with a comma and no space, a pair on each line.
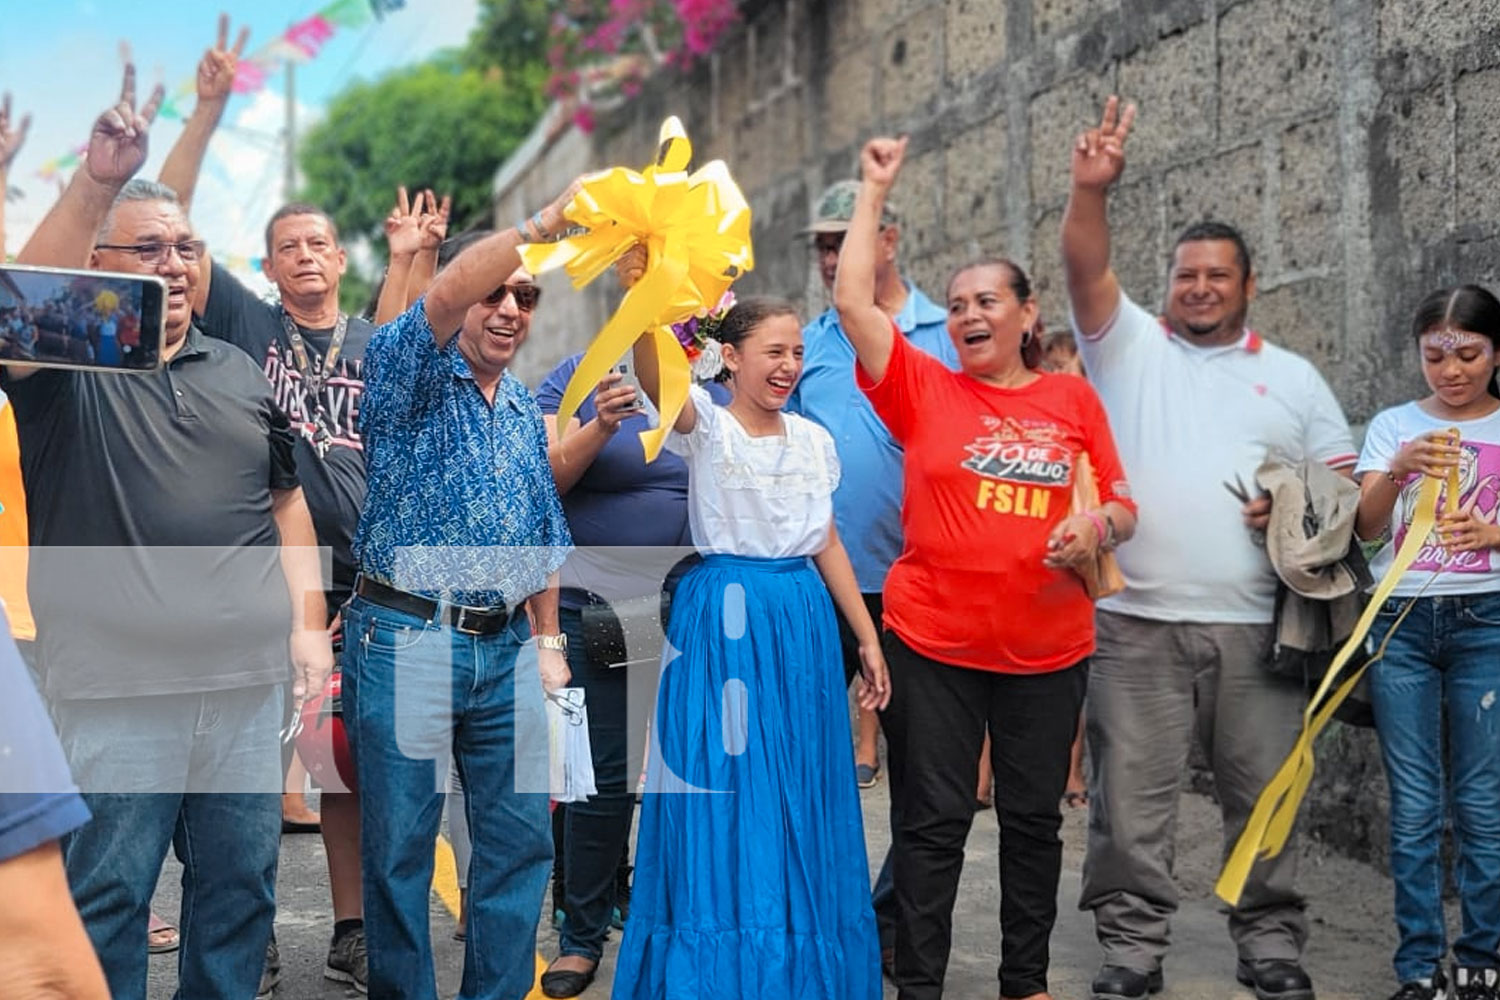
1150,684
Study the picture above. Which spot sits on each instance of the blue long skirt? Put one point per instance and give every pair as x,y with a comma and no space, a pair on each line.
751,880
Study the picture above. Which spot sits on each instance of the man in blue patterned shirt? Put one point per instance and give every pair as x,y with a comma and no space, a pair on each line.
460,536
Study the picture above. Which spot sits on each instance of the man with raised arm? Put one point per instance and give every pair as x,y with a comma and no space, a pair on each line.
312,354
453,634
174,579
1196,399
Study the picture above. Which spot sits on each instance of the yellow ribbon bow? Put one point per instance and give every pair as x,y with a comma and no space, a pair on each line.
696,230
1270,823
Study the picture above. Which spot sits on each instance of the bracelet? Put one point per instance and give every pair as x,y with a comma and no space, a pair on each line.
1111,538
1098,522
521,228
536,221
1392,477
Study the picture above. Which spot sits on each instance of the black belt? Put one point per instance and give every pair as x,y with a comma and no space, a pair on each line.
471,621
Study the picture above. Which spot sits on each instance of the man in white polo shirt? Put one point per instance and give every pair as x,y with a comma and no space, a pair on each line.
1196,399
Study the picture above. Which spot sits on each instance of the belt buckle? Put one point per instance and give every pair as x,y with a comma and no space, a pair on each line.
460,620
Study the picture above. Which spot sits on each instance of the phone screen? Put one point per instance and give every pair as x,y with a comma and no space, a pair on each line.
91,320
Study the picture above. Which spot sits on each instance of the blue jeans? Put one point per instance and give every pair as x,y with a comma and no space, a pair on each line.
1443,661
417,695
201,772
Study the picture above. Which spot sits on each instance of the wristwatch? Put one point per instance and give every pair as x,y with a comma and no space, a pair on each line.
558,642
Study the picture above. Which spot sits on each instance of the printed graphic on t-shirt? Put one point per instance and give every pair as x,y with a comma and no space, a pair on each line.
332,419
1479,491
1020,463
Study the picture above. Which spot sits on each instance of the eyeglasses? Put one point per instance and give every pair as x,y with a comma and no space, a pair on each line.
152,254
526,296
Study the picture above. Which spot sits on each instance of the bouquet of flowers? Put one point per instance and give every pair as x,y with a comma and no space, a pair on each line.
696,335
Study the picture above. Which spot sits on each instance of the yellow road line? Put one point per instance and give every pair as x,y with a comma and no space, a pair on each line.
445,884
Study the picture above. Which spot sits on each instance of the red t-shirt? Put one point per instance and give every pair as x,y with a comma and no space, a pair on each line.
988,474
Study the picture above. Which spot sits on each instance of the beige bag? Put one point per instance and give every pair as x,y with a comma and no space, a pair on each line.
1102,576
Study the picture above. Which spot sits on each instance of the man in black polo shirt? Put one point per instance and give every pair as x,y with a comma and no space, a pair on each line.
172,554
313,355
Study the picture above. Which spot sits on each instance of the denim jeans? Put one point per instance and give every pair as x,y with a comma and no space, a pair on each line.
200,772
1442,662
597,830
417,695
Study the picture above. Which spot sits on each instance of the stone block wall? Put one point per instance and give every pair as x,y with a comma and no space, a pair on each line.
1353,141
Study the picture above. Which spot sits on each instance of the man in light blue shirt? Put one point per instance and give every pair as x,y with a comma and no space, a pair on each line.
867,503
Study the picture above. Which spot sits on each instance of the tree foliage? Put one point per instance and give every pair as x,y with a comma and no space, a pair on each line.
446,123
511,34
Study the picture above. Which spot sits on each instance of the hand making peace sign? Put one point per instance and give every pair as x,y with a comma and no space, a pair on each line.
117,144
217,67
1099,153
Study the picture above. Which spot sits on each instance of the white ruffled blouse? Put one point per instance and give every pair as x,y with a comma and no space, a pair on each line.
768,497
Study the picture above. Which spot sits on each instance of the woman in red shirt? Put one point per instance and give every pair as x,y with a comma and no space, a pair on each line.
987,625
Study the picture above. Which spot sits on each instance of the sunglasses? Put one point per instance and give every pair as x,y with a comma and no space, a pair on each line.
526,296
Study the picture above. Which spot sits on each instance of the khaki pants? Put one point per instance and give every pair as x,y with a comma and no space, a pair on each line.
1151,682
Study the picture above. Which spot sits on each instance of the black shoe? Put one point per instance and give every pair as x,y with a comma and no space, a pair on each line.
1275,979
566,982
1433,988
1116,982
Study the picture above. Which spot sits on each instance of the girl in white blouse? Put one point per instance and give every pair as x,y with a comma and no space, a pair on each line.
751,877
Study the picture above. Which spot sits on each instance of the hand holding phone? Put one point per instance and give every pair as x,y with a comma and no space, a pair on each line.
88,320
626,370
615,400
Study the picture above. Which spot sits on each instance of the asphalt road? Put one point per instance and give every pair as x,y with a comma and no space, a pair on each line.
1349,904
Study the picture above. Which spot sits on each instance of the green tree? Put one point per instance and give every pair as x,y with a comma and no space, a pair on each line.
445,123
511,34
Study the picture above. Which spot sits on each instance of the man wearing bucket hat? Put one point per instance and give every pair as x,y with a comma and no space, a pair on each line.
867,503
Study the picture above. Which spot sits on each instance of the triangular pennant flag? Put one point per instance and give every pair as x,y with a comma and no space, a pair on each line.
347,13
309,35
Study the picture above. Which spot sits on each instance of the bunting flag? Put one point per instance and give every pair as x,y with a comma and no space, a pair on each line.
298,44
236,262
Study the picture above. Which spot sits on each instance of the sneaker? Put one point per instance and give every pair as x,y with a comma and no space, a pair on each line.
270,973
1473,983
1435,988
348,961
865,775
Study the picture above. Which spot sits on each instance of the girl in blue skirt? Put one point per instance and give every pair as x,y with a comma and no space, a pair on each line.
751,876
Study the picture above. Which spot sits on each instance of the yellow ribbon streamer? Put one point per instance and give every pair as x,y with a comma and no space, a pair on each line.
1270,824
696,230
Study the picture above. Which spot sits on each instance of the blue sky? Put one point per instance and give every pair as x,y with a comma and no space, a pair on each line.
63,66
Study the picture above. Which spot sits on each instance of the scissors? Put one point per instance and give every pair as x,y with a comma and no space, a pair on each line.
294,728
1241,492
570,704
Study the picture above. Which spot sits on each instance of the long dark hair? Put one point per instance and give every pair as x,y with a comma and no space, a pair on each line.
1020,284
747,314
1463,307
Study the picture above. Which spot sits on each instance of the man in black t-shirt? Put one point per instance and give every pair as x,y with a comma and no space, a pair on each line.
313,355
172,555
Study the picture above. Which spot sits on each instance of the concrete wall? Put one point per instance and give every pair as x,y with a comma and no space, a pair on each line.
1353,141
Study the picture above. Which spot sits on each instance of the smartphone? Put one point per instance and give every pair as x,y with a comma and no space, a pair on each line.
87,320
626,369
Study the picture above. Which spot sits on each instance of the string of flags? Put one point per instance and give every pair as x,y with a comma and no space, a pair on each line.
239,264
298,44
